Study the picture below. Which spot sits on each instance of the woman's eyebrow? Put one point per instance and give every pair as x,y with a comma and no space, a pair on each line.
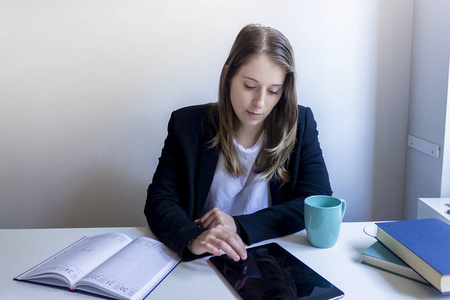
252,79
249,78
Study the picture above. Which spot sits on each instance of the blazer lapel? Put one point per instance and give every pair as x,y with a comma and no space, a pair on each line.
207,167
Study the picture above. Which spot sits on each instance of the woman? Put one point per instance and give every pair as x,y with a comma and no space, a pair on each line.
237,172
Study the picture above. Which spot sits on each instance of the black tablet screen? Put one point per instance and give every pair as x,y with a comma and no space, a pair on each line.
270,272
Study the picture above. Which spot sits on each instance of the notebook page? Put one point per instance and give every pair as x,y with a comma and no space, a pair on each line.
80,258
135,270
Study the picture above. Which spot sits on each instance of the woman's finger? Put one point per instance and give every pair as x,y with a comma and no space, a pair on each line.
219,239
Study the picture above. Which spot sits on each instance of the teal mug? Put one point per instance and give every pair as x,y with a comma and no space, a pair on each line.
323,218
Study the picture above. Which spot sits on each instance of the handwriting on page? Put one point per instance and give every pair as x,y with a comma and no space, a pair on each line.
133,267
83,256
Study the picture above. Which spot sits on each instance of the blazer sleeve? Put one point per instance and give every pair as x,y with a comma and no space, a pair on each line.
168,203
309,176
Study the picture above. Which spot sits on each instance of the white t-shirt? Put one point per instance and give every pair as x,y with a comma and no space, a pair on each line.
239,195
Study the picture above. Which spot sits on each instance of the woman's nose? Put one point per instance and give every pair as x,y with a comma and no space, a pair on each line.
258,100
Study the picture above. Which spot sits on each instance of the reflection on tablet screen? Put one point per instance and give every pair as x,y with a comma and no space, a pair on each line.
270,272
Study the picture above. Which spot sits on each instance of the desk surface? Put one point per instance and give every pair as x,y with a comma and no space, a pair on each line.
21,249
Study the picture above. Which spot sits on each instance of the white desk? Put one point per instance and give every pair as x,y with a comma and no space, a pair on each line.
21,249
434,208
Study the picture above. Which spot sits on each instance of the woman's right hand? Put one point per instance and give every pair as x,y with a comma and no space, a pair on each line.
218,239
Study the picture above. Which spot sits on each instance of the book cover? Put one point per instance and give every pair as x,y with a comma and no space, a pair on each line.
424,245
382,258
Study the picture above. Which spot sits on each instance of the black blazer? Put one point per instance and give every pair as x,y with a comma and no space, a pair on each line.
186,168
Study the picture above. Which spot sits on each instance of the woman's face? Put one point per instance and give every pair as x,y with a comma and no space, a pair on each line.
255,90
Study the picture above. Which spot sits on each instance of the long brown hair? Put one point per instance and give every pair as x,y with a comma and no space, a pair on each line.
280,127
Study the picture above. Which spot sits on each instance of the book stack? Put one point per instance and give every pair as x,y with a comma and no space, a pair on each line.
417,249
382,258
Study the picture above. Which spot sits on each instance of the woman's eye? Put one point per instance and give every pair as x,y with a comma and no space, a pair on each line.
249,87
273,92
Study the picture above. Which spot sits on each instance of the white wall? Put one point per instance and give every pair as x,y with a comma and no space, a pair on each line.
428,101
445,179
87,87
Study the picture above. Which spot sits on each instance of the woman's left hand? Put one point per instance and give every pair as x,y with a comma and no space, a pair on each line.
216,217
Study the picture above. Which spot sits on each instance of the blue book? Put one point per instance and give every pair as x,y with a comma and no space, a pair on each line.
380,257
424,245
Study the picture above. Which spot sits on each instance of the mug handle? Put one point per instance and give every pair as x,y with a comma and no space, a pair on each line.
343,208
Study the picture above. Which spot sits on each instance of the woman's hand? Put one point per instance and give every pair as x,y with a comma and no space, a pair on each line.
219,238
216,217
221,235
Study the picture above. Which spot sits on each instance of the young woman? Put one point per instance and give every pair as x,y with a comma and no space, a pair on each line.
237,172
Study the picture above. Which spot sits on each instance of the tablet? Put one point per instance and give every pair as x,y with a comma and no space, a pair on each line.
271,272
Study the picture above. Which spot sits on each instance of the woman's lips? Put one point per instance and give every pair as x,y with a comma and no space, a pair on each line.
253,115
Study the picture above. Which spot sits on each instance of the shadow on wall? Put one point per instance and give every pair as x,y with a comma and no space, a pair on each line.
119,169
391,111
106,198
